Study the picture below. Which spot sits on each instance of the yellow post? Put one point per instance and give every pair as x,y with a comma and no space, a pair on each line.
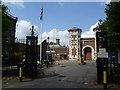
105,77
20,74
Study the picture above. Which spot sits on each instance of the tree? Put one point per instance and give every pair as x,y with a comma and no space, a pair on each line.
5,21
112,25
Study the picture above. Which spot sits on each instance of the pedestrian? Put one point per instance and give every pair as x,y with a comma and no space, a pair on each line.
47,63
83,62
79,61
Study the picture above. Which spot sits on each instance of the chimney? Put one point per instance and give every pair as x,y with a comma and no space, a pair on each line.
57,41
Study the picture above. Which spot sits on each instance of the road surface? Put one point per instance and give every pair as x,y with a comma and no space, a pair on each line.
66,75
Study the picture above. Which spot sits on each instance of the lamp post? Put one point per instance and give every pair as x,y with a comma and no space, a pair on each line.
48,47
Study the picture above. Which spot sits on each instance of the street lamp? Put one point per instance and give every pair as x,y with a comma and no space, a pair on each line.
99,28
47,47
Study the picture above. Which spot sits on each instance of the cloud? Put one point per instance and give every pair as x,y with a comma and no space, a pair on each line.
23,29
90,33
64,35
55,34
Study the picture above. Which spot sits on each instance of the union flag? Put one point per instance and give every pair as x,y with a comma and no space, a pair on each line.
41,14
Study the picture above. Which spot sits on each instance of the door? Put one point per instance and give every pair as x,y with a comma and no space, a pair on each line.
88,54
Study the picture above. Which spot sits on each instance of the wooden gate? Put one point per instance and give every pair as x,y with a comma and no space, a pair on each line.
88,53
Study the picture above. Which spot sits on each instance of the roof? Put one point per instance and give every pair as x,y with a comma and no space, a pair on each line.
9,15
75,29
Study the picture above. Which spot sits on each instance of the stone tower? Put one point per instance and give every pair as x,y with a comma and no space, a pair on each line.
74,43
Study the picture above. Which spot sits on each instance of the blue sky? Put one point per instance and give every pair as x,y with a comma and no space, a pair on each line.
59,15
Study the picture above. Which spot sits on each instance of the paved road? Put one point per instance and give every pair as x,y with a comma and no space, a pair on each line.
66,75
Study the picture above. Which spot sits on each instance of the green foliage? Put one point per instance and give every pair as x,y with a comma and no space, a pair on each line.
5,21
112,25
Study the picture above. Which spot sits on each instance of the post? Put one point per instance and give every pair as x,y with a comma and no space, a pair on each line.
41,19
47,47
20,68
20,73
41,45
105,76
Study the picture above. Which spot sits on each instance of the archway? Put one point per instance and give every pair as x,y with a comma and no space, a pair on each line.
87,53
92,51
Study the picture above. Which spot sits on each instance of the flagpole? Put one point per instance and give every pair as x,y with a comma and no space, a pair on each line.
41,44
41,36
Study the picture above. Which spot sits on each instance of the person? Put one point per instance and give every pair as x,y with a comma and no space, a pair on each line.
83,62
80,60
46,63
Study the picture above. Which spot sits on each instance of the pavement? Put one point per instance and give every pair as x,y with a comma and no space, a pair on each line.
66,75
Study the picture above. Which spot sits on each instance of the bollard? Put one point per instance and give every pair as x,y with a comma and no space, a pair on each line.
20,74
20,68
105,77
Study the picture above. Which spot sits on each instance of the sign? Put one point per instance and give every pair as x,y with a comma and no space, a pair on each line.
102,53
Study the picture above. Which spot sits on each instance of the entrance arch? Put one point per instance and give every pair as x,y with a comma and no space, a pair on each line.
88,51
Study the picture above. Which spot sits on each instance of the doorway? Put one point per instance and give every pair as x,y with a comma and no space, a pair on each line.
88,53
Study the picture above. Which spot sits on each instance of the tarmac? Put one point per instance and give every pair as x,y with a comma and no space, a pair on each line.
10,77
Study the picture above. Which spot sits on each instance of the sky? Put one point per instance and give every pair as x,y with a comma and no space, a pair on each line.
58,18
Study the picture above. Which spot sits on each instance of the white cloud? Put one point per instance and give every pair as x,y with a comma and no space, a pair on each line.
64,35
23,29
90,33
55,34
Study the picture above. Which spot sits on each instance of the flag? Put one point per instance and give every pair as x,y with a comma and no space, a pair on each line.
41,14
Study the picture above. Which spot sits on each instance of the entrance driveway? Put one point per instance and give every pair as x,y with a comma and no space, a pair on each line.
66,75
